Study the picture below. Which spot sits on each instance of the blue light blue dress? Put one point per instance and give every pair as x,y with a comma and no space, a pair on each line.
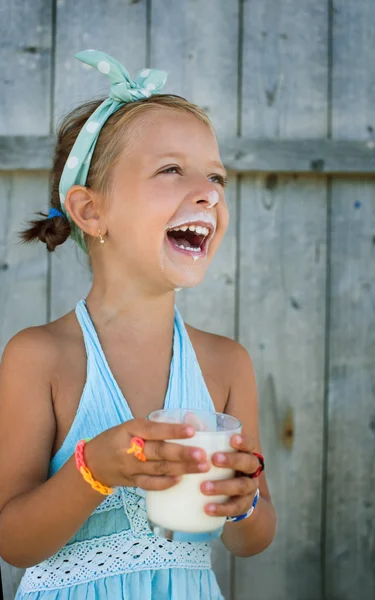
115,555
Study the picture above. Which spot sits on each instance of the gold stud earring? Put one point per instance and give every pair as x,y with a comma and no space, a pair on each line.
101,237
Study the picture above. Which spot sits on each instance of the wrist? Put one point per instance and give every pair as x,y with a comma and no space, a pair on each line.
81,453
251,536
249,512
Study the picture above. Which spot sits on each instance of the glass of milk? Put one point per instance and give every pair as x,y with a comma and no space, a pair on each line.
178,512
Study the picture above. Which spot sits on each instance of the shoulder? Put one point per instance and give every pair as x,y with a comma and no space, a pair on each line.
30,345
35,349
228,351
228,359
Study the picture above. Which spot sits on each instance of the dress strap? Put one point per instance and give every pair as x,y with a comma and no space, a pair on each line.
188,387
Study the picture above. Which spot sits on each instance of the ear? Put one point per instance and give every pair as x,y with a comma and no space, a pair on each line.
82,204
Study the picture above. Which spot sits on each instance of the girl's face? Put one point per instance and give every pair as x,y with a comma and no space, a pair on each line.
167,213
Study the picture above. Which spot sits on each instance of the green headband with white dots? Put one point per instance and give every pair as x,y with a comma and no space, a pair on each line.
123,90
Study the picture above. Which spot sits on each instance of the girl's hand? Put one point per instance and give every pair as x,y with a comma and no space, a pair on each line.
241,489
107,458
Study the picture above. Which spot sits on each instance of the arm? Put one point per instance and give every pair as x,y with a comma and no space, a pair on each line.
37,516
254,534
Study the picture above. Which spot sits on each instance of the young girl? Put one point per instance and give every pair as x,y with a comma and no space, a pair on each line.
138,183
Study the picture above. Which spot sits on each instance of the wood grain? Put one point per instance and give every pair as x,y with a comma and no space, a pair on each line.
239,155
282,269
350,480
25,66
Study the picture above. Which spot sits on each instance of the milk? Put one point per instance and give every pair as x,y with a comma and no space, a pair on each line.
181,507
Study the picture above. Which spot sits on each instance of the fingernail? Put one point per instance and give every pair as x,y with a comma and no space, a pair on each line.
208,486
220,457
211,508
203,466
238,439
197,454
189,431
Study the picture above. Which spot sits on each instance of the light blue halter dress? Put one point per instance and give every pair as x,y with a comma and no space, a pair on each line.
115,555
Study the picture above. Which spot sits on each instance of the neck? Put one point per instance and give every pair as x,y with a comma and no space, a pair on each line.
115,310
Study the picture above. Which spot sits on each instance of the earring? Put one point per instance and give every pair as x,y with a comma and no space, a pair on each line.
101,237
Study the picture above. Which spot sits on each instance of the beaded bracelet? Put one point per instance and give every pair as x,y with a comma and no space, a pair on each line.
249,512
85,471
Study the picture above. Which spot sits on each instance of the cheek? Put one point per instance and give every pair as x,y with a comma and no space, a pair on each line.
140,232
223,218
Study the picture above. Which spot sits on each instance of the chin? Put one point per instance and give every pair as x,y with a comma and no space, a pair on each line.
185,280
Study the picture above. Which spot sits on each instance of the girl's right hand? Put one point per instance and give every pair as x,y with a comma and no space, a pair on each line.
106,455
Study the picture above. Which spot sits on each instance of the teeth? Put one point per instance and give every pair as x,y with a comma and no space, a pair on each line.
188,248
197,228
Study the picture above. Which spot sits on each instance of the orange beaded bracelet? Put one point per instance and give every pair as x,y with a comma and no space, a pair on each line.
85,471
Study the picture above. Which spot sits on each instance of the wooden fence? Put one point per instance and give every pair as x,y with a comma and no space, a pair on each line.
290,88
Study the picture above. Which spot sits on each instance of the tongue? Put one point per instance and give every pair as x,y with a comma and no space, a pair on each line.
181,242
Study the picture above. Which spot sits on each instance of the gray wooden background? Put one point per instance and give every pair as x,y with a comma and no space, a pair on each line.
290,87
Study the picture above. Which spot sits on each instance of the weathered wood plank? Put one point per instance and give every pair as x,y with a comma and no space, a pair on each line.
240,155
23,278
350,523
25,67
23,270
349,529
202,34
282,284
25,59
282,288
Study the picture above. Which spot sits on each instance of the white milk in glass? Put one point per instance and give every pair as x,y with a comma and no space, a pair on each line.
181,507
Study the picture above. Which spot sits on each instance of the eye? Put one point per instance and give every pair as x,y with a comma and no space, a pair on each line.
223,181
169,168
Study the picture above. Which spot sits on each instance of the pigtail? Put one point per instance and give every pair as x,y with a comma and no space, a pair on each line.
53,231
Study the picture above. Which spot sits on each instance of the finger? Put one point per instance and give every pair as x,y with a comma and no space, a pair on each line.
243,443
170,468
154,483
238,461
237,486
149,430
155,450
233,507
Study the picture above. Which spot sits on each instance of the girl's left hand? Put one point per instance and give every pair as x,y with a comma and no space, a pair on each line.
241,489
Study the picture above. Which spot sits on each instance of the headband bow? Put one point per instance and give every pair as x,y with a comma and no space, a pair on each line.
123,89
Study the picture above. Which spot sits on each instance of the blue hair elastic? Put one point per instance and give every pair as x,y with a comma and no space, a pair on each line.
54,212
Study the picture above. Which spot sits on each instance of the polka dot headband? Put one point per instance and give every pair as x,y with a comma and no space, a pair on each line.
123,89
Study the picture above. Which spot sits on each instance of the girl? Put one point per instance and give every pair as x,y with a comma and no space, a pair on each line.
138,183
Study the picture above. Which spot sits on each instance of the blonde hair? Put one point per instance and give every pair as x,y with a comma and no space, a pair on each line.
109,147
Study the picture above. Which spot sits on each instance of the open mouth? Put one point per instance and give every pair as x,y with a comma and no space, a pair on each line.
191,238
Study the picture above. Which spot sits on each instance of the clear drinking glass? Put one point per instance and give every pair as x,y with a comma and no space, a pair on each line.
178,513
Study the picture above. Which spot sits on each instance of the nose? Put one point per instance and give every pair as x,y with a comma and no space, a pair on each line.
210,198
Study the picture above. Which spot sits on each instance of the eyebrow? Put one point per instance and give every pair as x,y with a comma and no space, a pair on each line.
214,163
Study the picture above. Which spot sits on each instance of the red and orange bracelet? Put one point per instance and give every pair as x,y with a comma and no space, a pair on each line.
85,471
